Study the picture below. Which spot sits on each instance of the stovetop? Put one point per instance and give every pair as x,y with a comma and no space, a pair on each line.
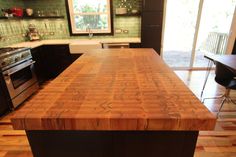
10,50
7,49
10,56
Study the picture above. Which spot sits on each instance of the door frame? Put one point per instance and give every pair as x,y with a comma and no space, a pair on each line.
232,35
163,27
195,38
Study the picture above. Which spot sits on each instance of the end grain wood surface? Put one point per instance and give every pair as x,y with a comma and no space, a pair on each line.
115,89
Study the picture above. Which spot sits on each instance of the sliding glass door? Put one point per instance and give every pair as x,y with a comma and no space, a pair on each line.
193,27
216,20
181,16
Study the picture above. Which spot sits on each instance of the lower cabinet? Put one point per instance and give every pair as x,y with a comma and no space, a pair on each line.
5,100
51,60
57,59
40,64
135,45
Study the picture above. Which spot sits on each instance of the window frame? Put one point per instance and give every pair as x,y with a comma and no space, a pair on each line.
75,33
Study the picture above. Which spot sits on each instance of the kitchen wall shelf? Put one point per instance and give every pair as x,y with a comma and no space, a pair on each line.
124,15
45,17
33,17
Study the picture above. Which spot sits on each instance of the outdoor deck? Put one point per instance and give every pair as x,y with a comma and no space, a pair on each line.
182,59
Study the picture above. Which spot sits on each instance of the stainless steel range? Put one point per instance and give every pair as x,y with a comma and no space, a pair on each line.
17,67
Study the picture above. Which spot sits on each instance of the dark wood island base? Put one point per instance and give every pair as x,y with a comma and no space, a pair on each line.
112,143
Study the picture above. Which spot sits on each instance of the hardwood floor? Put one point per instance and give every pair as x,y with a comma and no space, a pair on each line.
222,141
218,143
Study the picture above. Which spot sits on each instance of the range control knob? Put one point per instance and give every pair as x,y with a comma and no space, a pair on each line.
24,55
17,58
3,63
6,62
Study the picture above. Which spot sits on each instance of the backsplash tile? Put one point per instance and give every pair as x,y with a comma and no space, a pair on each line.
9,29
13,31
11,3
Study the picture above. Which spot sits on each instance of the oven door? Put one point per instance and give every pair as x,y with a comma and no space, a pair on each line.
20,77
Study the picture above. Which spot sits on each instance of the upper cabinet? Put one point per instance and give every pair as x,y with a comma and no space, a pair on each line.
152,18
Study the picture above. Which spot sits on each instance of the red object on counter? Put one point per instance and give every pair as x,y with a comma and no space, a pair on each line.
17,12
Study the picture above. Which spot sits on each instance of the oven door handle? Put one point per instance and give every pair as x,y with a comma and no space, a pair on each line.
10,73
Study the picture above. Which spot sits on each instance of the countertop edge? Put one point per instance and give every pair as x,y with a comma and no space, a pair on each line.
35,44
141,125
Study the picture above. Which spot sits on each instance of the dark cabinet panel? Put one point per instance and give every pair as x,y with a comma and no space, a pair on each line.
4,107
152,18
75,56
151,37
51,60
153,5
135,45
40,64
5,100
58,58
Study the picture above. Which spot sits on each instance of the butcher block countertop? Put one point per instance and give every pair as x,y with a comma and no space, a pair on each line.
34,44
115,89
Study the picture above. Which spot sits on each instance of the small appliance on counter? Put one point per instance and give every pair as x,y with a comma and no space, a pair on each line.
33,33
121,11
17,12
13,12
29,12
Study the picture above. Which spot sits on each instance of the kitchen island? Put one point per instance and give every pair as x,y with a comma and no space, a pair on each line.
114,103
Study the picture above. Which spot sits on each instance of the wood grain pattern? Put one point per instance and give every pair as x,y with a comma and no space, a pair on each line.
216,140
122,89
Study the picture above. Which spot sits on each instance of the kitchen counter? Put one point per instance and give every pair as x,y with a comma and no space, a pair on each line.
119,100
34,44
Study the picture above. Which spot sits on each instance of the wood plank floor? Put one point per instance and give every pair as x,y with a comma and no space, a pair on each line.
218,143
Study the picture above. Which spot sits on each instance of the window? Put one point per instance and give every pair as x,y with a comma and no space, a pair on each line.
90,16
